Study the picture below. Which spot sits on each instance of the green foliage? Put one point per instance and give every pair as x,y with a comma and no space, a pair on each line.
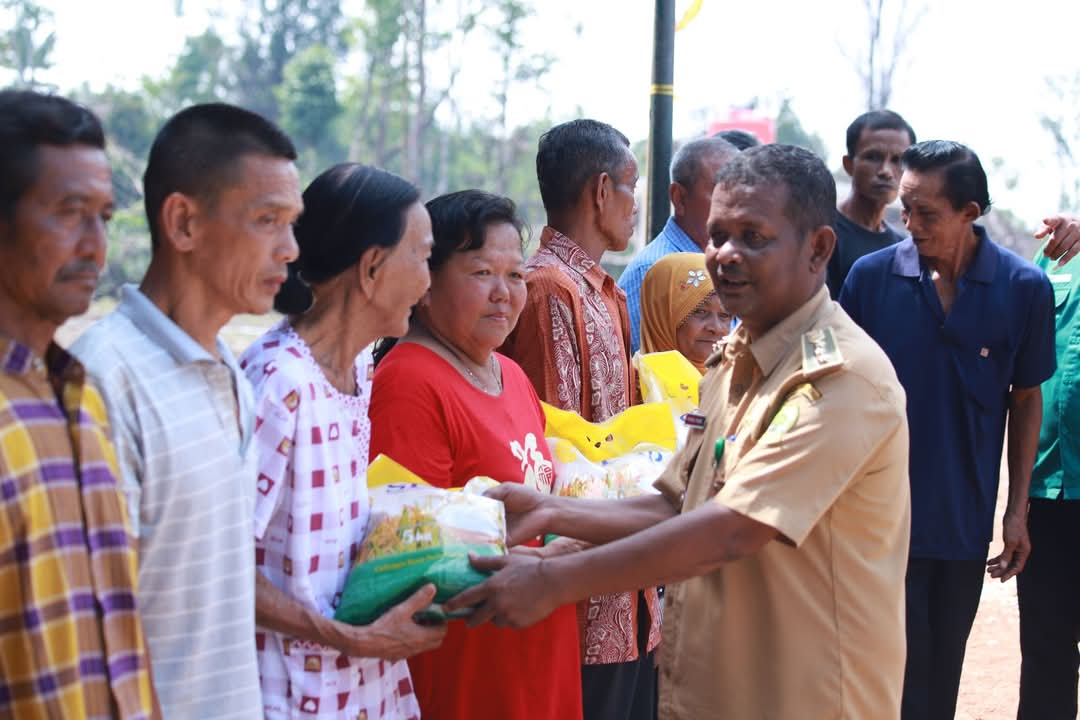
128,252
27,46
127,118
201,73
274,32
309,105
361,88
789,130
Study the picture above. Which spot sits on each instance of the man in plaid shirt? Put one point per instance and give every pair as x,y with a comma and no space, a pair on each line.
71,643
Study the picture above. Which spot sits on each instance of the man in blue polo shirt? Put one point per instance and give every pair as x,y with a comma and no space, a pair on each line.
693,176
969,327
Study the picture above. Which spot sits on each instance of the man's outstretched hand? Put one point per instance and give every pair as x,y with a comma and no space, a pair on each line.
519,594
526,514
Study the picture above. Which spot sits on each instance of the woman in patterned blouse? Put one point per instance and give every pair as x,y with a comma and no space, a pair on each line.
364,241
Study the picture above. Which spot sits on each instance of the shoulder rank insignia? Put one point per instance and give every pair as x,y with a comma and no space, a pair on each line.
819,351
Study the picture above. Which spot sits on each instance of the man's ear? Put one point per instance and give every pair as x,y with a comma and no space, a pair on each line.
677,193
179,217
822,242
605,184
971,211
849,165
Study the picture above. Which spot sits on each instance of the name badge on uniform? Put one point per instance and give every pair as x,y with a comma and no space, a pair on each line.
694,420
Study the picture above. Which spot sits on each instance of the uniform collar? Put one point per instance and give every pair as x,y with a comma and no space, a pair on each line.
776,344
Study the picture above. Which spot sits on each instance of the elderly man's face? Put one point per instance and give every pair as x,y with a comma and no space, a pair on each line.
762,267
936,227
620,214
52,248
245,235
693,203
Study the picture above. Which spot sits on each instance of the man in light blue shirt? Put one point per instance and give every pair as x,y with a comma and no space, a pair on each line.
221,194
693,175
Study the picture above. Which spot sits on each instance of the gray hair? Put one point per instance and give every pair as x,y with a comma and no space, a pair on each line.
690,158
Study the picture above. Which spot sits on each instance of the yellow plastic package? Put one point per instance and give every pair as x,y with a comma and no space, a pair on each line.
618,458
668,377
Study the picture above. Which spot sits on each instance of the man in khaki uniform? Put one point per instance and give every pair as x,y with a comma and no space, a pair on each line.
787,514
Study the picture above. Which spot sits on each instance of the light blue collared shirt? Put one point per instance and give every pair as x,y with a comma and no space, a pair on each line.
671,239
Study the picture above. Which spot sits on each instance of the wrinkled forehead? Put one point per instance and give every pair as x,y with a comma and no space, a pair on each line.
72,169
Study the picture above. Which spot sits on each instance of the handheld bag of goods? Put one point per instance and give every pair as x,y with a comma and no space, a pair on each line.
419,534
615,459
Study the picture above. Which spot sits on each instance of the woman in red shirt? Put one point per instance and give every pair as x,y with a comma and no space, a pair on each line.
448,407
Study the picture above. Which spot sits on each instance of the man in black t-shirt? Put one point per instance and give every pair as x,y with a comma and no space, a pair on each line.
875,142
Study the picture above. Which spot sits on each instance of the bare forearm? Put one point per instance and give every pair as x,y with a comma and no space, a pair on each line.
1025,419
602,521
274,610
277,611
681,547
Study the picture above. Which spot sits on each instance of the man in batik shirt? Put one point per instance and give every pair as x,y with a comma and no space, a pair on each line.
573,341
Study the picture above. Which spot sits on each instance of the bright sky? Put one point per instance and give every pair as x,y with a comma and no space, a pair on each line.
974,71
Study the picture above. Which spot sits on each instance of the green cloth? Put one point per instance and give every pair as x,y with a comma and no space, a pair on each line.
1057,465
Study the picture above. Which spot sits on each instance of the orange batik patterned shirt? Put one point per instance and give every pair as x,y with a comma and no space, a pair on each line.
573,342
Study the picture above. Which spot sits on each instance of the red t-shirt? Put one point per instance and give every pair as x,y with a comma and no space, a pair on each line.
431,419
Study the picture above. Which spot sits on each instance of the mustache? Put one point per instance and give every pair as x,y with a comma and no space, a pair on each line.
79,267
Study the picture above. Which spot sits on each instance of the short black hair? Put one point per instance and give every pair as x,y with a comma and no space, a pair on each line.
741,139
348,209
196,152
568,155
29,119
811,190
875,120
965,179
691,156
460,219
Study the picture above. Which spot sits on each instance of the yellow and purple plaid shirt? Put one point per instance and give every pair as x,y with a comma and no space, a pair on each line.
71,643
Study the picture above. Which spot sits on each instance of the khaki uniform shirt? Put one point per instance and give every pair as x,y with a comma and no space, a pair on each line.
816,446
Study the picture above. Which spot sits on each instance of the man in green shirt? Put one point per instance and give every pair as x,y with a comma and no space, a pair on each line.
1049,586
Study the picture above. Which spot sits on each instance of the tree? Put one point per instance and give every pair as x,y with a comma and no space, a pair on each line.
275,31
27,47
789,130
309,105
201,73
888,34
516,66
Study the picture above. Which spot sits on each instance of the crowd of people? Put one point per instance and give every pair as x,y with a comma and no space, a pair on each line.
177,524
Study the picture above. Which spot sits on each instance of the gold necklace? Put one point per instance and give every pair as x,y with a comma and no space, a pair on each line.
492,365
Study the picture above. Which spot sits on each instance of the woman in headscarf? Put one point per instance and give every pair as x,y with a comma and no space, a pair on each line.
680,310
